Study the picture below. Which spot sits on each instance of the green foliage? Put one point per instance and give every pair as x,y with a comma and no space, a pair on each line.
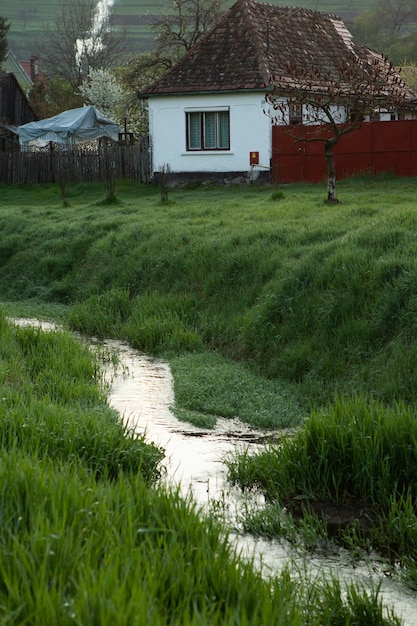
390,28
409,74
52,96
4,28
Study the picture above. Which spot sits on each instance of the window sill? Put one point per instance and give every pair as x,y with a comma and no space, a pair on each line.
206,152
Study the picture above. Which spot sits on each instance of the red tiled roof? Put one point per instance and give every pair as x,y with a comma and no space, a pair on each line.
31,70
254,41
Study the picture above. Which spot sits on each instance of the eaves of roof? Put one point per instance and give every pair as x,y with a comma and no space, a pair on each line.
231,90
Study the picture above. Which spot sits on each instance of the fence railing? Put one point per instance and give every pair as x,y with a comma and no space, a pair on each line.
375,147
79,164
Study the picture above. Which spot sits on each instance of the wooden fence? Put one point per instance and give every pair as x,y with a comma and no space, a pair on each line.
79,164
375,147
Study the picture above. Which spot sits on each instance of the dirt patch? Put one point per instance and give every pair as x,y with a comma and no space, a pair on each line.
337,517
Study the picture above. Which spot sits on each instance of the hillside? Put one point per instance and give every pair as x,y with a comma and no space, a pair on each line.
27,19
320,296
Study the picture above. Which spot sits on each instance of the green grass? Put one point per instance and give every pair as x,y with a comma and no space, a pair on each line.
355,453
266,310
208,385
88,537
322,298
53,403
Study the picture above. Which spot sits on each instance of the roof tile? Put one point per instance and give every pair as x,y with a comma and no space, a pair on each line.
254,41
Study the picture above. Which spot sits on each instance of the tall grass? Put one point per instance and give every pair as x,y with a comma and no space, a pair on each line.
353,448
323,297
357,453
53,403
77,551
86,535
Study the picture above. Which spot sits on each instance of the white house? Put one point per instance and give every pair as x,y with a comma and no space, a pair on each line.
215,133
208,116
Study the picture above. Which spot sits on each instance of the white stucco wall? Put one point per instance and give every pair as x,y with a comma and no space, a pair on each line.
250,130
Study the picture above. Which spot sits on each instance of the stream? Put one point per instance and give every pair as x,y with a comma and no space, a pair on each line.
141,391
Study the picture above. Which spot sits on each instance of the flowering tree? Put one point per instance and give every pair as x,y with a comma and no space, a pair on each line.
339,99
102,89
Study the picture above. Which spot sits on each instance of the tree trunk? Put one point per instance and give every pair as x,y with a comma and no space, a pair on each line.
331,172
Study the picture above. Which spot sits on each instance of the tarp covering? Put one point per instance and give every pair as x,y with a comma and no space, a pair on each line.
68,128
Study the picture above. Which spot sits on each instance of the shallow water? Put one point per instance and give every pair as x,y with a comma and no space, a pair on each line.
141,390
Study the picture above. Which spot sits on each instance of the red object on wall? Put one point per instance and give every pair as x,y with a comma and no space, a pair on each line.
373,148
254,158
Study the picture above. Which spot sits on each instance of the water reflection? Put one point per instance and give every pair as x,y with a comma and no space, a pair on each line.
142,392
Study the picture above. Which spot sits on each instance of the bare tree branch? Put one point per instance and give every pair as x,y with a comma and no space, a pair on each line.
80,39
339,99
177,31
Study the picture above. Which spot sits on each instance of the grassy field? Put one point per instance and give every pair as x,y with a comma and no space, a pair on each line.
321,298
269,308
27,20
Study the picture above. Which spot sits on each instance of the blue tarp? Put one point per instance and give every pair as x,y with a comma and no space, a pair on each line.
70,127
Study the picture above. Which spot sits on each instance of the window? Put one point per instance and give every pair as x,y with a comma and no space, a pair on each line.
295,112
208,130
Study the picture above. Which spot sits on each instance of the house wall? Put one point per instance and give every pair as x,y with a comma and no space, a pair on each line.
14,106
281,115
250,131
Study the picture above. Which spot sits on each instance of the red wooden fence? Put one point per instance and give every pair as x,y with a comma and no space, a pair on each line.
373,148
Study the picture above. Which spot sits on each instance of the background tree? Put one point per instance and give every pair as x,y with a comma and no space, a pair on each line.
389,28
176,31
80,39
409,73
189,20
338,100
4,27
52,96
